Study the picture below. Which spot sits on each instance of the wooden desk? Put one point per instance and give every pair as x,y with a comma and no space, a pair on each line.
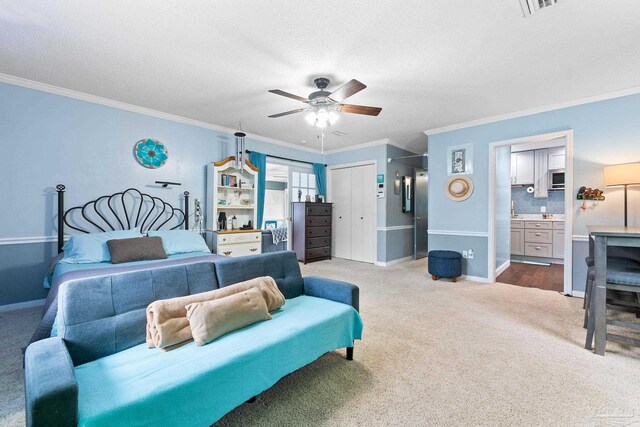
603,237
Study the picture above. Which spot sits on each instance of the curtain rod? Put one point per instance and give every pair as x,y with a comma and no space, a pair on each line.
285,158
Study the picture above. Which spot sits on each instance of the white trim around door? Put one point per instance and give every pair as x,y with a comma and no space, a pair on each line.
568,202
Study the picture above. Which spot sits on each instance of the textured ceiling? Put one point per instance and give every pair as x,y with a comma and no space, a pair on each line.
428,64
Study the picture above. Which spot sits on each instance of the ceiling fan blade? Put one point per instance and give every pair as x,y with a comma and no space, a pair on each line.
288,95
346,90
360,109
286,113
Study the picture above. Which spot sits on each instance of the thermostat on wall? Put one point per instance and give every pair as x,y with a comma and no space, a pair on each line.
380,185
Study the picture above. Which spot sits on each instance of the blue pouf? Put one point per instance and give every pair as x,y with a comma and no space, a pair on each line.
445,264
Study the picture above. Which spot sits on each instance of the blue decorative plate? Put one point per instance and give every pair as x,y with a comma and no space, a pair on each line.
151,153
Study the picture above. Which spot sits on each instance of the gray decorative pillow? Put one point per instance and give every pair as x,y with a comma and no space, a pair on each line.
136,249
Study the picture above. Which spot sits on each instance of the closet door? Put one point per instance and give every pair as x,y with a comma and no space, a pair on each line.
357,213
369,200
341,198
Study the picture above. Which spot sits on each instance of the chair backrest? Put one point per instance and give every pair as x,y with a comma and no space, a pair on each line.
104,315
282,266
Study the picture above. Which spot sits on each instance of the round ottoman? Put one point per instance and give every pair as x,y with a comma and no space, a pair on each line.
445,264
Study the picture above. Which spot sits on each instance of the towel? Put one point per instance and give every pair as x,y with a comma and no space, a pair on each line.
167,323
279,235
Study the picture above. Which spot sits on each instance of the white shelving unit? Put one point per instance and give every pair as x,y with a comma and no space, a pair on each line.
237,200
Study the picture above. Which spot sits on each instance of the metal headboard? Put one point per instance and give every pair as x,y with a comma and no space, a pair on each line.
144,211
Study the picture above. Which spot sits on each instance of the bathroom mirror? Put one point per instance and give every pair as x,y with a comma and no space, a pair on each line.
406,194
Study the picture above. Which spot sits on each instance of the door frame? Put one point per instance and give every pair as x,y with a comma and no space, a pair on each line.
330,170
568,202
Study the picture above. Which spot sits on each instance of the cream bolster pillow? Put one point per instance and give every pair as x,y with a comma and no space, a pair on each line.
212,319
167,323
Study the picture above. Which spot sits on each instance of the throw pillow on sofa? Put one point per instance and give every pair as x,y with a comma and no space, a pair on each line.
212,319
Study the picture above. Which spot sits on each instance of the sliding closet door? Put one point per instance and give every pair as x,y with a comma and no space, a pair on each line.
357,213
341,198
369,201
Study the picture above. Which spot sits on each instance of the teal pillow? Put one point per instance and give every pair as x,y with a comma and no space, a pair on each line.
180,241
92,247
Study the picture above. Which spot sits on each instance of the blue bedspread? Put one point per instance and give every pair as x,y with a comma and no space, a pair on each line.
62,268
195,386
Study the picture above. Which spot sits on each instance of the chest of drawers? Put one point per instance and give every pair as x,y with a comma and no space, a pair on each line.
312,231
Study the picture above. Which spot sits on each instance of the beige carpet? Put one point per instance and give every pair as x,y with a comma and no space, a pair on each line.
433,353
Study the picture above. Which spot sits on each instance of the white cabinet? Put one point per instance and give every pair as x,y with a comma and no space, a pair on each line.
233,192
522,170
541,174
517,241
557,158
558,243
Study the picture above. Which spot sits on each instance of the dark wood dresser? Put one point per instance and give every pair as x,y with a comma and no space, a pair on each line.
312,231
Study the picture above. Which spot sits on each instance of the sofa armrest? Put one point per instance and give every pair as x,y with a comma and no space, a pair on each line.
334,290
51,390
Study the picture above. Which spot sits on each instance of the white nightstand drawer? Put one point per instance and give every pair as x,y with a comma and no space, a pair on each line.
235,238
517,223
239,249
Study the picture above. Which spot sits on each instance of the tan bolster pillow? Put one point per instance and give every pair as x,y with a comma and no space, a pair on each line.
212,319
167,323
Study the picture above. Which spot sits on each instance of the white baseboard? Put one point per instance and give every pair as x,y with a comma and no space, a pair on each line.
475,279
578,294
393,262
503,267
21,305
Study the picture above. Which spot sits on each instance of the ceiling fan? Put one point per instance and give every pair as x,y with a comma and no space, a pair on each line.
323,106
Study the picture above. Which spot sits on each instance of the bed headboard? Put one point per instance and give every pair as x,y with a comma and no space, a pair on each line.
120,211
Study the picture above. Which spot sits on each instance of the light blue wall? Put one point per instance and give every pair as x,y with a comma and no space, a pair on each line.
503,205
48,139
605,132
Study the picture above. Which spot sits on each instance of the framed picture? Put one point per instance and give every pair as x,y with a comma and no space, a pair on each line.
460,160
233,181
270,225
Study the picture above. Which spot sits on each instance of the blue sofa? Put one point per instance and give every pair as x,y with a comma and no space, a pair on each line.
99,371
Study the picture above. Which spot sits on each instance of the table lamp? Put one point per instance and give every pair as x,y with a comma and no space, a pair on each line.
625,174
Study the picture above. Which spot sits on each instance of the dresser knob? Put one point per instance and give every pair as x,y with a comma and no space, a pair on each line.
227,253
253,249
538,234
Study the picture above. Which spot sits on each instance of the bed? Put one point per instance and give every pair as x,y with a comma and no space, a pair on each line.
125,211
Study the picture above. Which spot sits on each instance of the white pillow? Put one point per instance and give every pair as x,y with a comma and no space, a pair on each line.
92,247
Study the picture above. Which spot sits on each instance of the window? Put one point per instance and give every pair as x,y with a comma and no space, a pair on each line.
303,184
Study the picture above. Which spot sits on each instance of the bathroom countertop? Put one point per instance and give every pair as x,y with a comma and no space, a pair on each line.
538,217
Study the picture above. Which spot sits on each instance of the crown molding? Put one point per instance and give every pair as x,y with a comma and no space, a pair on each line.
531,111
70,93
383,141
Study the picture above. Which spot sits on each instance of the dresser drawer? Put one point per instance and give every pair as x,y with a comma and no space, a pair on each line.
517,223
538,236
241,249
558,225
318,242
538,249
318,209
234,238
317,221
318,252
318,232
538,225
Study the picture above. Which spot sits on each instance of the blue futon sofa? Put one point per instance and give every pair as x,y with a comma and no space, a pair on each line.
98,371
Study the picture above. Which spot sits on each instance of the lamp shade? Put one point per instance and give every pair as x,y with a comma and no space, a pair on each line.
625,174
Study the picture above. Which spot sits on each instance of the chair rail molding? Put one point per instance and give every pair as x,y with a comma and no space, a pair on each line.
458,233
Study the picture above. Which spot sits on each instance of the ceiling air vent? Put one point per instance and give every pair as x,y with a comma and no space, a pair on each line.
531,7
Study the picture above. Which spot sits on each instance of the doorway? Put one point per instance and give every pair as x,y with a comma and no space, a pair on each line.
286,182
421,207
530,248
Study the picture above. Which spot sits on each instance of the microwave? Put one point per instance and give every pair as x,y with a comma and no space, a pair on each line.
556,180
